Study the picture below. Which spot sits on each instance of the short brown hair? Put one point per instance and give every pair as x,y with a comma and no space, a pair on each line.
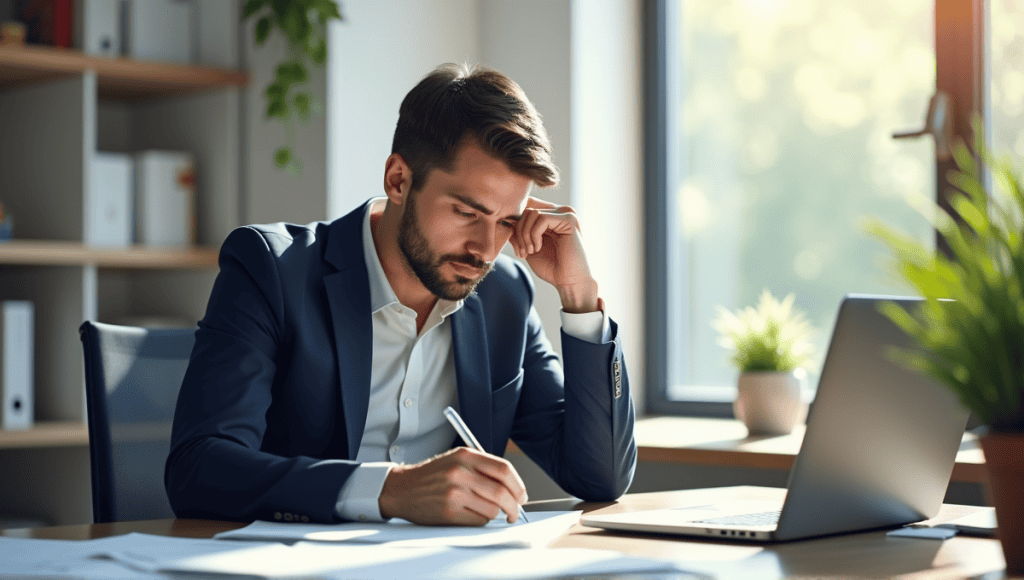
457,101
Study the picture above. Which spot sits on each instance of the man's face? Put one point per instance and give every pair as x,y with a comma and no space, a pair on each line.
453,228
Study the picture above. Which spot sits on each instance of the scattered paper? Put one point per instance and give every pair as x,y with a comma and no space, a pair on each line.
543,529
926,533
65,559
980,523
370,562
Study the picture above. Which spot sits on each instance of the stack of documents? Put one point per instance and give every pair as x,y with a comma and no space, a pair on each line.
544,528
397,549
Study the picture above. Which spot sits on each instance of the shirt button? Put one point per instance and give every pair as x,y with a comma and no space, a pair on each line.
408,403
277,515
395,450
362,518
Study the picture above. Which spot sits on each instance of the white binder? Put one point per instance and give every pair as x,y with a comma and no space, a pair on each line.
98,27
16,364
160,30
164,198
108,201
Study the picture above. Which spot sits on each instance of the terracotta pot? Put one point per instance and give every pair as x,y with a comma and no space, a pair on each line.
769,403
1004,461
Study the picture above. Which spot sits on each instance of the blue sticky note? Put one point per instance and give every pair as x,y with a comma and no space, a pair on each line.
927,533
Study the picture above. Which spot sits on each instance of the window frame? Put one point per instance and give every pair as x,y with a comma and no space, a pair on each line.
961,27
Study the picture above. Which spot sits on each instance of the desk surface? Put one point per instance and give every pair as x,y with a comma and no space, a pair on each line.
866,555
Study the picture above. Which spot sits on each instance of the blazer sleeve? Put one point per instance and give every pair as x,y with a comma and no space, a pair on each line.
215,468
577,425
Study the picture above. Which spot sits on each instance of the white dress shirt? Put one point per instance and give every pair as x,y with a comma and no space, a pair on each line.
412,380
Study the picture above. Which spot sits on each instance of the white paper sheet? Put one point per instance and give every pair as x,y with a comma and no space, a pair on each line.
370,562
544,528
28,558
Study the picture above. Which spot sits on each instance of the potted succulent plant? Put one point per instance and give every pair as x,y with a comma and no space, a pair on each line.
974,342
769,345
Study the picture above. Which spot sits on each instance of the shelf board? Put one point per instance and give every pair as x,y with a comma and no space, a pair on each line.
46,434
54,253
118,79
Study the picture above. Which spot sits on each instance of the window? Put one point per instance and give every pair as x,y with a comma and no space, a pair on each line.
770,129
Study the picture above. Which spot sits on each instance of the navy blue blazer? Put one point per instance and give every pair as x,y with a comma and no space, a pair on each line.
274,401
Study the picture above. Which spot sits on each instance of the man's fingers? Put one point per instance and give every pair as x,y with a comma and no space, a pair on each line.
496,493
462,486
525,230
501,473
470,508
537,203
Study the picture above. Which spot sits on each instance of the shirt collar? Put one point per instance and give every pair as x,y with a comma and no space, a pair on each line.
381,292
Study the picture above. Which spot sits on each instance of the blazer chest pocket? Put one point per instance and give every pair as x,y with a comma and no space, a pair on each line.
508,394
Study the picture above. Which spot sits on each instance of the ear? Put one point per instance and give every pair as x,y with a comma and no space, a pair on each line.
397,179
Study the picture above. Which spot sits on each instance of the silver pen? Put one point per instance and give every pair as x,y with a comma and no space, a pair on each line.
467,436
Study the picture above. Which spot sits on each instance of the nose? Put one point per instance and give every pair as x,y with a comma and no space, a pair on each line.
483,242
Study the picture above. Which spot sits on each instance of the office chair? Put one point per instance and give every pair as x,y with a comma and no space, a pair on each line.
132,378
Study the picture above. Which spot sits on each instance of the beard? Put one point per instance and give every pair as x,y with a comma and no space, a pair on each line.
427,265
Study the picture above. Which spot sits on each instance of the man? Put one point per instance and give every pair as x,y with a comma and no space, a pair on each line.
327,353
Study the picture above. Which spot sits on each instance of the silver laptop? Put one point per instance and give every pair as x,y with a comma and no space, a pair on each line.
879,448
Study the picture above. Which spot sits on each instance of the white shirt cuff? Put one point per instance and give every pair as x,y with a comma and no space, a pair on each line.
358,499
589,326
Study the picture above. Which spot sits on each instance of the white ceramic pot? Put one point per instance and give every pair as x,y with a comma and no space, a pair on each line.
769,402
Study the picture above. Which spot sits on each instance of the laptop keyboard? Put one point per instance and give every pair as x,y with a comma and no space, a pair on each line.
757,519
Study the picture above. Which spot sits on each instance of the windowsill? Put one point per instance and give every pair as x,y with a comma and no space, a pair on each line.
724,442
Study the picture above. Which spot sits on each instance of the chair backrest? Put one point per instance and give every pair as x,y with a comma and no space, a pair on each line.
132,378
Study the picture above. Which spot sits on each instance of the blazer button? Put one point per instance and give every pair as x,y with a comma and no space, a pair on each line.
305,518
287,517
617,375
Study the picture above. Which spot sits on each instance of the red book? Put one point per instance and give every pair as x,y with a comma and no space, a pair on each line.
62,13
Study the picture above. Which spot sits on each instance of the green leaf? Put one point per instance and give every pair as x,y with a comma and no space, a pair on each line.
277,108
276,91
319,52
252,7
328,9
291,72
283,156
302,105
294,24
280,8
262,30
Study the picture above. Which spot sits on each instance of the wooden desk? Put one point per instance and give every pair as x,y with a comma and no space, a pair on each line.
866,555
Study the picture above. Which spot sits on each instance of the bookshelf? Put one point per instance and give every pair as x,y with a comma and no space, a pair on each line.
52,253
58,109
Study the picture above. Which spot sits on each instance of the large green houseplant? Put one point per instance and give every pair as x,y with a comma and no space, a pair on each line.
971,325
769,345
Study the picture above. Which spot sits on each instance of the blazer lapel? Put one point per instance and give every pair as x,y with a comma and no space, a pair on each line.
348,294
472,371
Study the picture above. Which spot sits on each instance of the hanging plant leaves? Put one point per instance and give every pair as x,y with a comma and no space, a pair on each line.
304,25
302,105
262,30
282,156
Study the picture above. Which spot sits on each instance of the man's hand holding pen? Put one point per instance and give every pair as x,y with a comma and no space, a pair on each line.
460,487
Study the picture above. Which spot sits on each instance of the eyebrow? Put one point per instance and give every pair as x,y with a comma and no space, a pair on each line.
479,206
